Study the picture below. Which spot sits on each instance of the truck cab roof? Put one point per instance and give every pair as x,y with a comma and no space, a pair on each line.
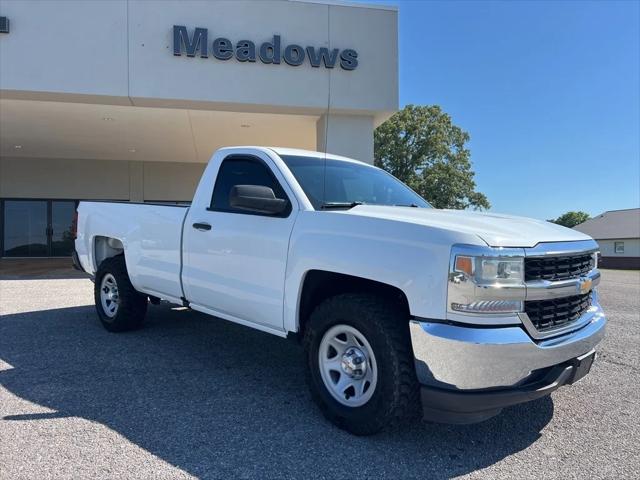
297,152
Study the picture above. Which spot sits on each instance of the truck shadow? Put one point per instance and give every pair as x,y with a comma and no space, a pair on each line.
217,399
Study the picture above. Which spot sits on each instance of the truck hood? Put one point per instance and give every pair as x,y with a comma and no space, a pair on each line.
496,230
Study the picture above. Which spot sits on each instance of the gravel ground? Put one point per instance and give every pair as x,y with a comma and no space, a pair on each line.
190,396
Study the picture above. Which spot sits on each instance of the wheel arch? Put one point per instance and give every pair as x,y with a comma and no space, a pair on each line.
106,247
318,285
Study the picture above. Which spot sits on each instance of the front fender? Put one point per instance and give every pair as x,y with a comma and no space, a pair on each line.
412,258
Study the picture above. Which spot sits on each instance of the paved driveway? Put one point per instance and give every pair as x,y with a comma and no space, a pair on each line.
190,396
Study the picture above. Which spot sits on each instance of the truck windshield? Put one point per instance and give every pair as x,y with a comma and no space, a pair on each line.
348,184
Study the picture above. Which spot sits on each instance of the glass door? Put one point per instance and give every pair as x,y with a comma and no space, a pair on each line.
60,230
25,228
37,228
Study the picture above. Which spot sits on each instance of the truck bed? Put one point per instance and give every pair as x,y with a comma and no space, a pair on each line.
151,234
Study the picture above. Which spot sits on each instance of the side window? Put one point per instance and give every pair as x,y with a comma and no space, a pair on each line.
242,171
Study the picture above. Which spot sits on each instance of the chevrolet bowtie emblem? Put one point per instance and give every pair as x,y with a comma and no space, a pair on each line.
584,285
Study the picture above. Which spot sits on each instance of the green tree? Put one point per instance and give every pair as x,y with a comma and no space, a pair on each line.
423,148
571,219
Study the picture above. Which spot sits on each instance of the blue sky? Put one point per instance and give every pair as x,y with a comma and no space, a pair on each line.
549,92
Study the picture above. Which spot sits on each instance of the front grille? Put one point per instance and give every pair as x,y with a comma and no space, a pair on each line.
557,268
549,314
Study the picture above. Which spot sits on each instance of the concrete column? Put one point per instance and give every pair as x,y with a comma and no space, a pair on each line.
348,135
136,181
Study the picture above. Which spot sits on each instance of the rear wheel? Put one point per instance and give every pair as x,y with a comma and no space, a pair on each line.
360,364
120,307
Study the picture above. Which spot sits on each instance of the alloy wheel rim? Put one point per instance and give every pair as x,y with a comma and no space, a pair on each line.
347,365
109,297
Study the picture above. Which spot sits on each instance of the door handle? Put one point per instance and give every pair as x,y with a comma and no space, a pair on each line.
203,227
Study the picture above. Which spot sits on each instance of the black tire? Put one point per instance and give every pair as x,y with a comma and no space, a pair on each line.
132,305
386,329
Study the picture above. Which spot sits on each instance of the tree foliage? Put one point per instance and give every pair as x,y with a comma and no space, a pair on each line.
571,219
422,147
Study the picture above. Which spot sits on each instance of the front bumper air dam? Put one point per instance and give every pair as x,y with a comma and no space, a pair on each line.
476,371
454,406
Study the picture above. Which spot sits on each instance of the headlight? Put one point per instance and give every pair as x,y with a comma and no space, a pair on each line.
486,280
491,270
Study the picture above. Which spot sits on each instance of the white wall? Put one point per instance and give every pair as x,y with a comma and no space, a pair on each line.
98,179
119,52
348,135
64,178
171,181
66,47
631,247
123,52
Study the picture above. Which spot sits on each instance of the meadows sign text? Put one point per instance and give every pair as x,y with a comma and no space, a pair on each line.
268,52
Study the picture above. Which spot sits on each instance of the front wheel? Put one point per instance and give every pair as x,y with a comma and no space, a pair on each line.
360,363
120,307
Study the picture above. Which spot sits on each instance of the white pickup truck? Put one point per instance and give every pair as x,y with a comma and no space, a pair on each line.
401,307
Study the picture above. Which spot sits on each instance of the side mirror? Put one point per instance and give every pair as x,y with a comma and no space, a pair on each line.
257,199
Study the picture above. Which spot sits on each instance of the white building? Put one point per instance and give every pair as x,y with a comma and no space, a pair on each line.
618,235
128,99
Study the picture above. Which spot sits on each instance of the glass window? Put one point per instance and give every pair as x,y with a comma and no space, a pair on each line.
37,228
25,228
62,216
618,247
334,182
242,171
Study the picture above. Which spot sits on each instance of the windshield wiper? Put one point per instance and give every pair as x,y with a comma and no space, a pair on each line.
333,205
413,205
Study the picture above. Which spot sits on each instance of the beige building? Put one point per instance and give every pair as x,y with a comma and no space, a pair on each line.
128,99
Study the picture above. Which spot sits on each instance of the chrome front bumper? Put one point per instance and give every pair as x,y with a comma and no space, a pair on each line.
467,357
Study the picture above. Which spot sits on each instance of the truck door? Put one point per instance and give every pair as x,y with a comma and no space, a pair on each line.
234,258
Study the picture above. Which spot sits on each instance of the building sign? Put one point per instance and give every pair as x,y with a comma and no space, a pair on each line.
270,52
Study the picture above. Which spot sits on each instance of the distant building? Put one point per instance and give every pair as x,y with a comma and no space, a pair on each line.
618,234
